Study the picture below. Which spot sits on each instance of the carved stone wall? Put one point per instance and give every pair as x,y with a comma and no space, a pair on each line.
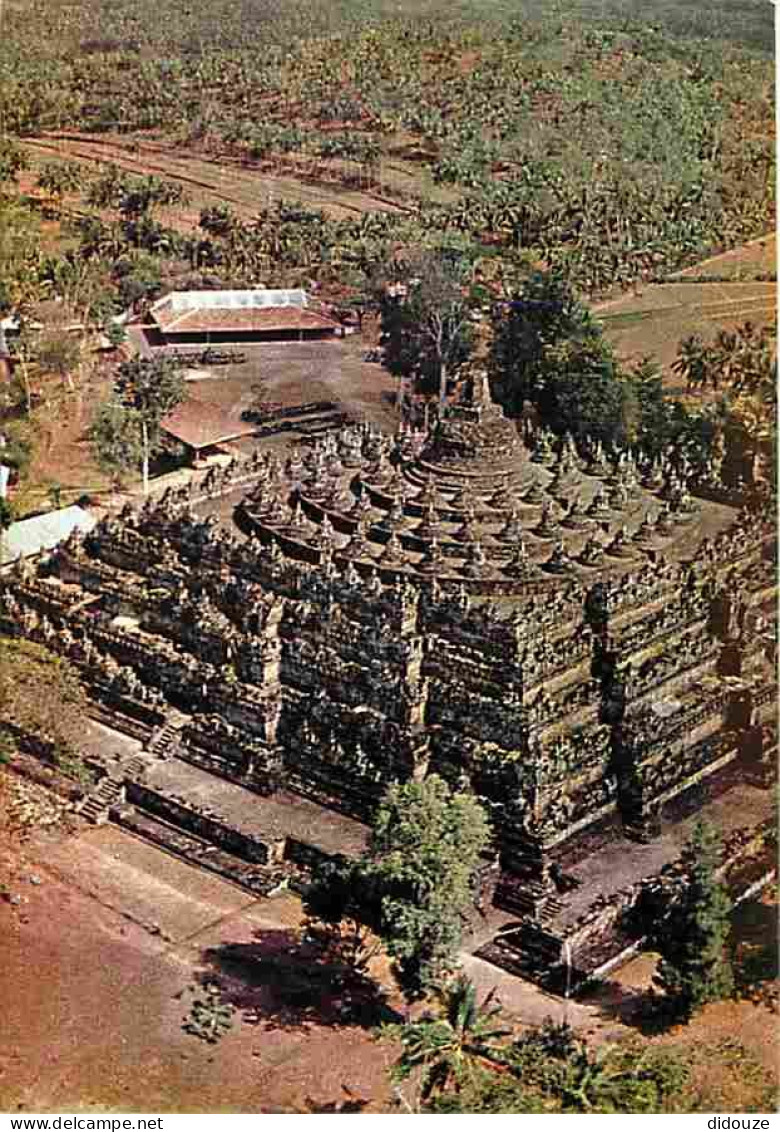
336,679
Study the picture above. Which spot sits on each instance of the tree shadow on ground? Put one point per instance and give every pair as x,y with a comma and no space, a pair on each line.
283,980
755,949
642,1009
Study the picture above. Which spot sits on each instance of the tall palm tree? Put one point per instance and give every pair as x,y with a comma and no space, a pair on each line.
694,363
449,1047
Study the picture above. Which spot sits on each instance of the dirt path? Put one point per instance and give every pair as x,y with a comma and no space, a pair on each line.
94,993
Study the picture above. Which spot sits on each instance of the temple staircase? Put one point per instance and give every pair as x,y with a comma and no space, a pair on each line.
109,792
528,899
164,742
526,949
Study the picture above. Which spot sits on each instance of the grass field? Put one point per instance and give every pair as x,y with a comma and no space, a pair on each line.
757,258
656,319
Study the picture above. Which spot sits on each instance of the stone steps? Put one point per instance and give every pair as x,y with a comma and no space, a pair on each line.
529,952
528,899
553,906
96,805
163,742
134,768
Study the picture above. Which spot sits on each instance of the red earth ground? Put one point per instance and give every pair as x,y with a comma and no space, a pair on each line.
101,955
94,994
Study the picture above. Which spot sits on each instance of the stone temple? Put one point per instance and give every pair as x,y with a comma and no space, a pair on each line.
582,638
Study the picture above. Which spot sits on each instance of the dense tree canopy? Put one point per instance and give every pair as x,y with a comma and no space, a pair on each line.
691,937
542,315
427,330
548,351
423,858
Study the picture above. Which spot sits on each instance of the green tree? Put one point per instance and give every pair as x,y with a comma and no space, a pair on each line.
217,220
115,333
58,178
582,390
544,313
450,1047
106,191
691,938
17,451
745,359
694,362
128,426
139,280
13,160
665,423
138,196
115,435
427,331
423,859
624,1077
20,256
742,361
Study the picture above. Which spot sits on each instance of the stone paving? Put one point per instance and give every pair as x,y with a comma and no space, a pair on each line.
270,819
627,862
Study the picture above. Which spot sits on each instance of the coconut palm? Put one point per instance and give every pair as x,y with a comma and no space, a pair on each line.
451,1046
694,363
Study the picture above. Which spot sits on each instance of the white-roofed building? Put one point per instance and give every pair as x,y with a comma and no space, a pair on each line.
241,316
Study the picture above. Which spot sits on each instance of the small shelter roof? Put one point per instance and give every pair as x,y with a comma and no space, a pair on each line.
202,424
42,532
